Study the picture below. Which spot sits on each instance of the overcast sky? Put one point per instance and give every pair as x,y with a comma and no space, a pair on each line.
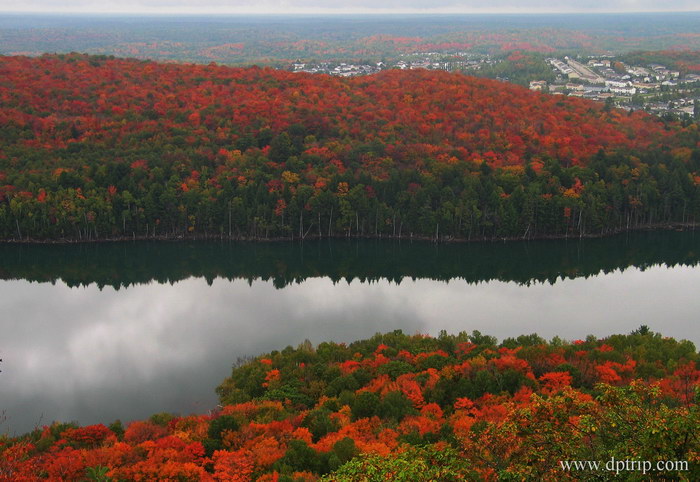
347,6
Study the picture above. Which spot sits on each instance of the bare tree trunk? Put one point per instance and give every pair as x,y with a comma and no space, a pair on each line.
580,213
376,221
330,223
307,231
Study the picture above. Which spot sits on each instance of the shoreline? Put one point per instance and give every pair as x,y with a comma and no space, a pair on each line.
682,227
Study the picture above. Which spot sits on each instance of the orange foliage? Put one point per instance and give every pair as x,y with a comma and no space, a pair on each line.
489,428
555,381
138,432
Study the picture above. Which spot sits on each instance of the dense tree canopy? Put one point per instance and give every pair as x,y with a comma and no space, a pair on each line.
97,147
398,407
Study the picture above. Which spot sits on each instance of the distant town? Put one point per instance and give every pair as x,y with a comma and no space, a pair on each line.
431,60
654,88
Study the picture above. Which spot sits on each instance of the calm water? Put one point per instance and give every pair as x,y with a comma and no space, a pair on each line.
123,330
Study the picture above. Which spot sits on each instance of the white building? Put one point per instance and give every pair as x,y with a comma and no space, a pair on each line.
624,90
616,84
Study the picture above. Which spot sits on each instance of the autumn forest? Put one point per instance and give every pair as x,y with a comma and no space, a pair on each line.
94,147
134,193
398,407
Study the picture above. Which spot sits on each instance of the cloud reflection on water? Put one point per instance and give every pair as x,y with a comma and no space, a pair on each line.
98,355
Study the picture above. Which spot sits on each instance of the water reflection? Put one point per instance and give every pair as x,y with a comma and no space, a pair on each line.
127,263
96,354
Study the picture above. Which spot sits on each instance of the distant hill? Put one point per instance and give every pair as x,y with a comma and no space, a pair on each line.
93,147
282,39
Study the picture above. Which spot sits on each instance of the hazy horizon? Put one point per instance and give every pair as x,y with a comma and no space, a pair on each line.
354,7
377,13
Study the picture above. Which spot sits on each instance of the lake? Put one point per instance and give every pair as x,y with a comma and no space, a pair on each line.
98,332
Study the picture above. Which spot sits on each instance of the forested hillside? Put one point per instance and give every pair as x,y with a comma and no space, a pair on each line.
246,40
96,147
398,407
